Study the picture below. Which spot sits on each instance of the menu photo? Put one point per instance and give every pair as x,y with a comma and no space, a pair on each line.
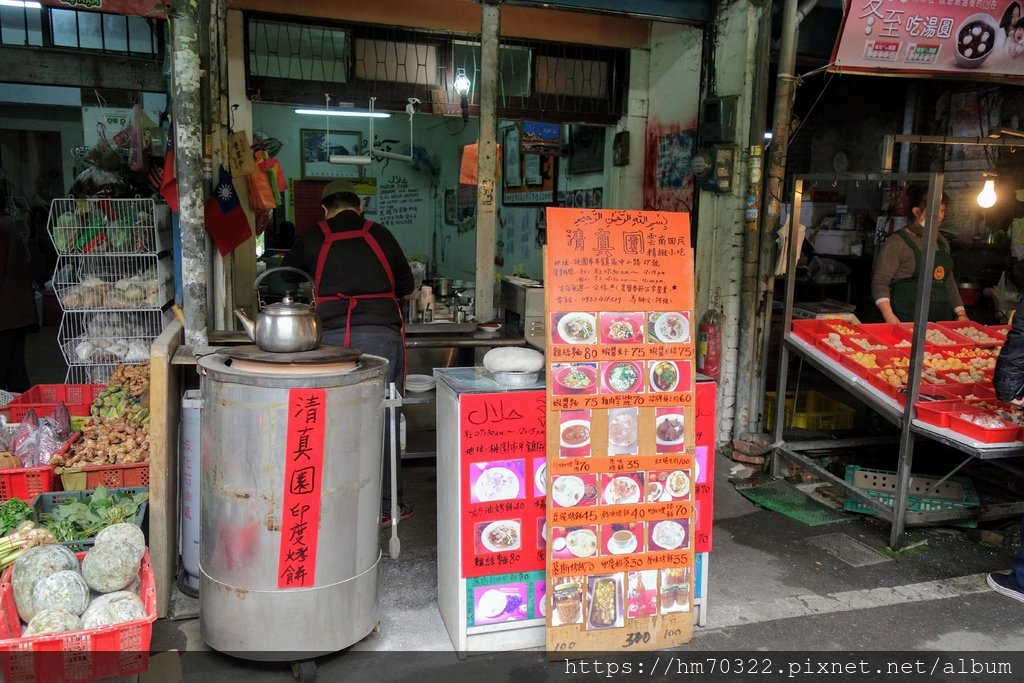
574,434
622,431
575,327
669,534
501,603
670,432
642,594
567,601
623,539
500,536
498,480
574,542
572,490
675,590
666,376
604,598
621,328
574,378
668,327
666,486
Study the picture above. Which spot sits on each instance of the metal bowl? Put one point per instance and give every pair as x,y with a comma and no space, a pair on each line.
516,379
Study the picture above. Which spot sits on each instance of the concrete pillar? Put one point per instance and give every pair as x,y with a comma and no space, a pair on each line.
487,197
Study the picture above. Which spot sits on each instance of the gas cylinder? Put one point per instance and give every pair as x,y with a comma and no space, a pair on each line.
709,344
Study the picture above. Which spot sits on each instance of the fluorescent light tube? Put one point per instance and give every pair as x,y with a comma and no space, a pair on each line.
342,112
349,159
18,3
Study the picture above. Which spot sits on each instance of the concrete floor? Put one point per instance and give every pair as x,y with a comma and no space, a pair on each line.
770,590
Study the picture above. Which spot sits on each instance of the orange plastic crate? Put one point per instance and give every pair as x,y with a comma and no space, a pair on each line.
43,398
119,650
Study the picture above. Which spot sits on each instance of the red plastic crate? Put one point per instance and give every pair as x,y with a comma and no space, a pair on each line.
956,326
43,398
997,435
882,359
109,476
819,343
119,650
998,331
27,482
890,390
937,412
807,329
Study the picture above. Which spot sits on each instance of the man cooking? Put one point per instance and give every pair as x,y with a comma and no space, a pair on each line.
895,275
359,273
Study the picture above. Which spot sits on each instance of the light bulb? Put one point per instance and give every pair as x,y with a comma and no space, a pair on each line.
987,196
462,83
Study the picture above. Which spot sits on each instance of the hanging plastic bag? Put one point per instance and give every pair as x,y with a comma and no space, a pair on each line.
48,441
102,155
261,196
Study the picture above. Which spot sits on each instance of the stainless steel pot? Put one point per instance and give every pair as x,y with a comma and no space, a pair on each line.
285,327
442,286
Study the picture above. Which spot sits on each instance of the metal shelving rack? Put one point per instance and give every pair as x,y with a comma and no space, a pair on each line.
113,280
898,515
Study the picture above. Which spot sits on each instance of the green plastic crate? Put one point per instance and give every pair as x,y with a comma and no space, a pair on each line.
44,503
955,493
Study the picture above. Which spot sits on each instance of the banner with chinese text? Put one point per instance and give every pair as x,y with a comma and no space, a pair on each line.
621,430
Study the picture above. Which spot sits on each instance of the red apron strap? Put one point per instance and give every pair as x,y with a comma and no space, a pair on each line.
375,245
321,258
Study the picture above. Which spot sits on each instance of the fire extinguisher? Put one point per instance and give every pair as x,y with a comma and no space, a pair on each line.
709,344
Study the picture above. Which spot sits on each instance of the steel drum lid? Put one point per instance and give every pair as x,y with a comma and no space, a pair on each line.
325,353
321,362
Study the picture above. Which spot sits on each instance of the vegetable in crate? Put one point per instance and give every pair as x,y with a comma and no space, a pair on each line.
52,621
110,567
65,590
77,520
109,442
12,512
113,608
124,534
9,461
24,538
34,566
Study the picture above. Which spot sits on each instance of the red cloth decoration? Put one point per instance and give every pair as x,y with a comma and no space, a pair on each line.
225,220
169,183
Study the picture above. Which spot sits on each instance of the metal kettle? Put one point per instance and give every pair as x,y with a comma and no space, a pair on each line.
285,327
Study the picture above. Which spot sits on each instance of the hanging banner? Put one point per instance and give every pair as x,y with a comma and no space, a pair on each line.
142,8
967,38
621,431
502,459
303,475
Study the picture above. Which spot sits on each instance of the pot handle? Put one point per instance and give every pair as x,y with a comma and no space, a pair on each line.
268,271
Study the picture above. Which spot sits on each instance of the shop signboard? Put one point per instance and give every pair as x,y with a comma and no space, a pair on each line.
300,501
967,38
621,430
143,8
502,461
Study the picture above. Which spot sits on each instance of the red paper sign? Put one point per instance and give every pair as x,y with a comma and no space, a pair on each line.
502,455
303,476
704,466
974,39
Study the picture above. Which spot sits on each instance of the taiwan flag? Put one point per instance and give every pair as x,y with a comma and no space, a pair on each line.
225,220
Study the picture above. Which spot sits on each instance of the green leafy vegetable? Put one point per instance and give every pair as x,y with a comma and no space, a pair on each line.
77,520
12,512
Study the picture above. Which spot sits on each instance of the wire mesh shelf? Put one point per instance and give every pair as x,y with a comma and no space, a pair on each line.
108,337
91,374
111,281
107,226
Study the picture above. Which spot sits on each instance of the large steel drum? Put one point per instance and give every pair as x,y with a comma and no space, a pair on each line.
244,611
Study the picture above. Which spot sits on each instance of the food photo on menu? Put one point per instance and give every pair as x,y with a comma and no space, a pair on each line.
540,477
574,541
622,431
567,601
668,327
574,328
542,533
675,590
669,430
499,480
574,378
668,534
622,377
540,595
665,486
642,594
574,434
497,604
622,489
501,536
664,376
574,490
622,328
623,539
604,601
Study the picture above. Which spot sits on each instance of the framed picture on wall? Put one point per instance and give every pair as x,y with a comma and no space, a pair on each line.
316,150
586,149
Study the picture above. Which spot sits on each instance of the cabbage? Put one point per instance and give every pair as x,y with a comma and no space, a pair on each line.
52,621
34,566
110,566
113,608
64,590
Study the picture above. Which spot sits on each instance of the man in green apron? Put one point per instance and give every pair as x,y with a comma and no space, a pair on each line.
894,282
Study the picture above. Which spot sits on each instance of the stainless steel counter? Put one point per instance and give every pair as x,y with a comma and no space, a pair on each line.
434,341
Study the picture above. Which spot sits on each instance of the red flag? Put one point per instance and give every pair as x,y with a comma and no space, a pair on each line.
169,183
225,220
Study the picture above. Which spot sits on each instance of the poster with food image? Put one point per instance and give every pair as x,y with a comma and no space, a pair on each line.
668,534
540,598
668,327
674,595
669,430
574,542
573,490
664,376
574,434
665,486
622,328
623,424
622,377
642,594
540,477
574,378
497,480
624,488
623,539
604,601
574,328
500,536
567,601
499,604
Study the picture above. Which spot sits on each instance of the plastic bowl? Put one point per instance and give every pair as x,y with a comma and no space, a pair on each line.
516,379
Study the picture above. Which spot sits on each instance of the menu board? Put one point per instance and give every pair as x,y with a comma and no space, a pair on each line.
621,430
502,445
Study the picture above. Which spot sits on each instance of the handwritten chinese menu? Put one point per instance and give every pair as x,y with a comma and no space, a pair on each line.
300,508
620,430
503,466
